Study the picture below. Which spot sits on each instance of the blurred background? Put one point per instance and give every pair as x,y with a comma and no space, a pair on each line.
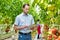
47,11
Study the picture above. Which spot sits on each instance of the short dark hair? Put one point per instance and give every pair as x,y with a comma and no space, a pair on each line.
25,5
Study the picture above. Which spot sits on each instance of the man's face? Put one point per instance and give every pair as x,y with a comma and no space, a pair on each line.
26,9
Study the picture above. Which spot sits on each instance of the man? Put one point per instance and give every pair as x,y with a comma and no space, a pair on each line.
22,23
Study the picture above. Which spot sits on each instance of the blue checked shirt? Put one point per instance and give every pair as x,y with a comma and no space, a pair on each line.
22,20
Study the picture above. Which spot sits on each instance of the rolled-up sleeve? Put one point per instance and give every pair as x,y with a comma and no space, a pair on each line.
16,21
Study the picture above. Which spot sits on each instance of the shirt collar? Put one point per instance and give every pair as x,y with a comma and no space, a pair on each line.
24,14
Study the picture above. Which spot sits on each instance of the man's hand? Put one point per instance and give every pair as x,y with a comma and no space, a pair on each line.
16,28
25,26
32,27
21,27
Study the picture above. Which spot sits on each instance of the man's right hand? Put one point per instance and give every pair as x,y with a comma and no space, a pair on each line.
19,28
25,26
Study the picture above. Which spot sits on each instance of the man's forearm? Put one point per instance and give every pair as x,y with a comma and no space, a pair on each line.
19,28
